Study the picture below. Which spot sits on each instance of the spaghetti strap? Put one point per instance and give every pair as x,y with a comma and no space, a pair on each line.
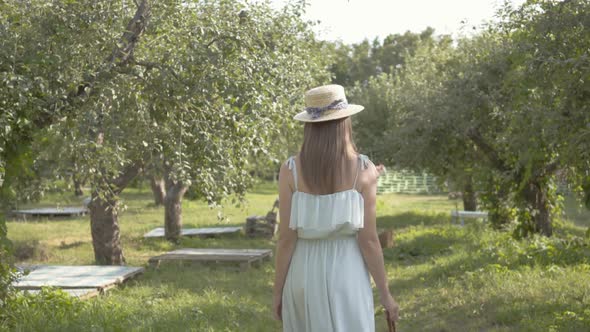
364,163
293,168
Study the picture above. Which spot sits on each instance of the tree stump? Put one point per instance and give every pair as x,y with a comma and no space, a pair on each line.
386,238
262,226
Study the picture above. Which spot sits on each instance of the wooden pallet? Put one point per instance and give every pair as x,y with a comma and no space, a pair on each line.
81,281
202,232
457,216
50,212
244,257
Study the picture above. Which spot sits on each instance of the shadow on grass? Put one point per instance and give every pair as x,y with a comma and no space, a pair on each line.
213,285
439,272
503,312
227,241
407,219
64,246
425,247
203,297
137,195
209,317
448,253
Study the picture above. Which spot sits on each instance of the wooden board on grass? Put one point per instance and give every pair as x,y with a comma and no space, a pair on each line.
457,215
245,257
204,232
51,212
76,277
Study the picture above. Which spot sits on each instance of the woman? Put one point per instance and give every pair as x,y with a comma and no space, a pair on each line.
328,240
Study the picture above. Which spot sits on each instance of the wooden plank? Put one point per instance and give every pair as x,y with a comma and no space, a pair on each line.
51,212
243,256
208,231
209,251
216,254
457,215
76,277
469,214
228,258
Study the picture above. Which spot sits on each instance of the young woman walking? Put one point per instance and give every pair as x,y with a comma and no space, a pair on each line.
328,243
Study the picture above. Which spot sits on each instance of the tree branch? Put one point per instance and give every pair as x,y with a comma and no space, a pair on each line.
500,164
128,174
120,56
487,149
150,65
135,28
550,168
216,39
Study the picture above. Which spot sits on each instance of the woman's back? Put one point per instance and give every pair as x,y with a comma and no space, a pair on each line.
340,213
350,171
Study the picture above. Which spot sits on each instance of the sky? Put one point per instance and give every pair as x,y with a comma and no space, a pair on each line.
351,21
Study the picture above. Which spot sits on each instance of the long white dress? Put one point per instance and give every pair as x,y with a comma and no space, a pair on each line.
327,286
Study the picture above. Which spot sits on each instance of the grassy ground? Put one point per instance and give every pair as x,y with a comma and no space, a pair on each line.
445,277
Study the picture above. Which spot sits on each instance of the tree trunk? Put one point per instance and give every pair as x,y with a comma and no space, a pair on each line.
78,189
536,197
104,225
469,199
78,183
173,209
104,217
158,190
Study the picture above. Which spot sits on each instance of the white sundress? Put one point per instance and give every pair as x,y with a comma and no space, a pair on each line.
327,286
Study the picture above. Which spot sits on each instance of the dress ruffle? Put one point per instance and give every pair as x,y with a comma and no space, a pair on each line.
320,216
316,216
327,211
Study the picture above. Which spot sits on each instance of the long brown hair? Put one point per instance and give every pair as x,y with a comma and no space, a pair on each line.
323,153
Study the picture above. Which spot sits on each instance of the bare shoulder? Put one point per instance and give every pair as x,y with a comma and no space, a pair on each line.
368,176
284,174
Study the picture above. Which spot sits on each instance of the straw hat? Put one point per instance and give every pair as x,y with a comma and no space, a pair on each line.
326,103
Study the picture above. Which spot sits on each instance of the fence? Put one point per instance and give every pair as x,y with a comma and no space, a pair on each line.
407,182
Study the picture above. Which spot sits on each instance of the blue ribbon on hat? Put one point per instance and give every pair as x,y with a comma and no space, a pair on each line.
316,112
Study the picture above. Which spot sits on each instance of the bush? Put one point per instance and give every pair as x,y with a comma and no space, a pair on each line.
7,272
49,306
30,249
539,250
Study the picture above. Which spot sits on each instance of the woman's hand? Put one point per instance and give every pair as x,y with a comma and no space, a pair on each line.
390,306
277,307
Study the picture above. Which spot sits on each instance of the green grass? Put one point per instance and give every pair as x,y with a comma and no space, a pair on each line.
445,277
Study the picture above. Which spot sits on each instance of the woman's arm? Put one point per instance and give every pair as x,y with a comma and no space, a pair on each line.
287,239
367,237
368,240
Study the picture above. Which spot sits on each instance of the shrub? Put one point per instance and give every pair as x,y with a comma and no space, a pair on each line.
49,305
7,272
